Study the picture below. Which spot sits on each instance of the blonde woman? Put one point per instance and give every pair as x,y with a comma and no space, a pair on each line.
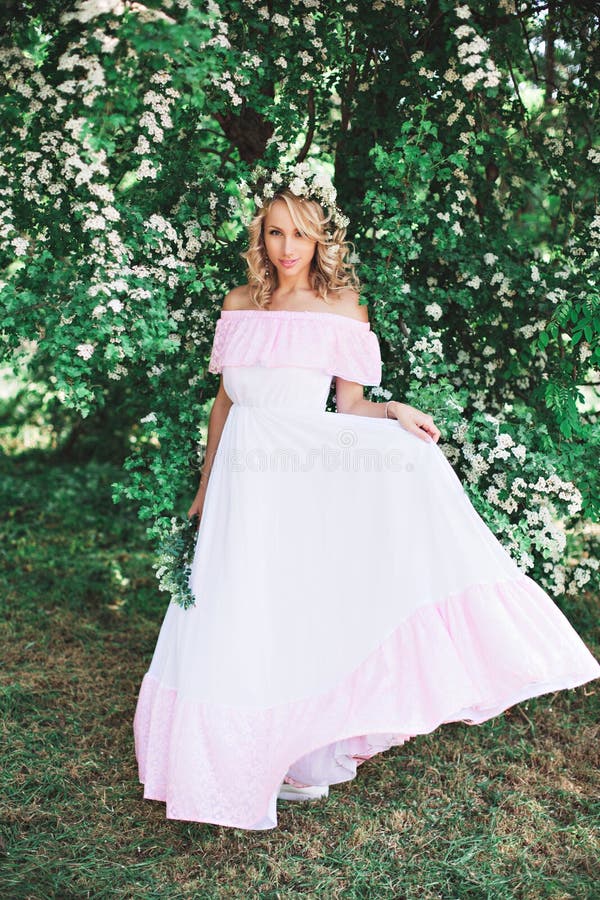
347,594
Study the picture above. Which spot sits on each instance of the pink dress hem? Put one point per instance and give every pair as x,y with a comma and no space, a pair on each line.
438,666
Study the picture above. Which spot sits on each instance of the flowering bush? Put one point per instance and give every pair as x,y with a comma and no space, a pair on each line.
461,139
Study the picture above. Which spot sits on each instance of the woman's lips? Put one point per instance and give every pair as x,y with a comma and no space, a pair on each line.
288,263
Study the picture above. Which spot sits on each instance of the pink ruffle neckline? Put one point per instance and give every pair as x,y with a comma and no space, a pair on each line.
338,345
291,313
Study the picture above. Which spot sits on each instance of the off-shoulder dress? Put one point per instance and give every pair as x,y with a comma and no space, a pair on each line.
347,594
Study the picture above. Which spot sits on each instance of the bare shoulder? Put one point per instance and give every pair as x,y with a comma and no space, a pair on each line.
350,305
237,297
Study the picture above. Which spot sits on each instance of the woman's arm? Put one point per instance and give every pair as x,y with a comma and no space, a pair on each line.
216,421
349,395
349,398
236,298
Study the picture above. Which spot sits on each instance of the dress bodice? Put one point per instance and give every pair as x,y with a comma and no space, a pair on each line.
285,388
329,343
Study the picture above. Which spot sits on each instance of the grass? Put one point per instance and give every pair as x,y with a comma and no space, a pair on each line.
508,809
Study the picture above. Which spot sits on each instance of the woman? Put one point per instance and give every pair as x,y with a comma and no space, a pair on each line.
347,594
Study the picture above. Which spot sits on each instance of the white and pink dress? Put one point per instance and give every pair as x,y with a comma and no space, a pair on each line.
347,594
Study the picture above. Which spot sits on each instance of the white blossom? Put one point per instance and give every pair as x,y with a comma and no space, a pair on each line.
464,31
20,246
434,310
520,451
85,350
86,10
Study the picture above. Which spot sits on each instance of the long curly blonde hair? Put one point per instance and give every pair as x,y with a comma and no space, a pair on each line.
330,269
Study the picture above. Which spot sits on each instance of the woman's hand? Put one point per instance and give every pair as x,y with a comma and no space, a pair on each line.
196,507
414,420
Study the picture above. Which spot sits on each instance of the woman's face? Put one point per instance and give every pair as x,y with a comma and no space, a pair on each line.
289,251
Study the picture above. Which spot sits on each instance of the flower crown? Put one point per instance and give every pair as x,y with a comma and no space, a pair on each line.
301,179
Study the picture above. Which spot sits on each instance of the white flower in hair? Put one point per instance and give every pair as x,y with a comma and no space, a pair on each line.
321,180
297,186
303,179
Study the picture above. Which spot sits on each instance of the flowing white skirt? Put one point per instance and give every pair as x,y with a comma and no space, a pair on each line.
348,597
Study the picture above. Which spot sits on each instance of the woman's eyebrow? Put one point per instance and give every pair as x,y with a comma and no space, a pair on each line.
279,228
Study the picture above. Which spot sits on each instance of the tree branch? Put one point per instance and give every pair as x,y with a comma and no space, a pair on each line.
549,36
528,45
311,125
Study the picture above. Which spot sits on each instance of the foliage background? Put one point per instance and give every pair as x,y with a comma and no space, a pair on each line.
461,139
